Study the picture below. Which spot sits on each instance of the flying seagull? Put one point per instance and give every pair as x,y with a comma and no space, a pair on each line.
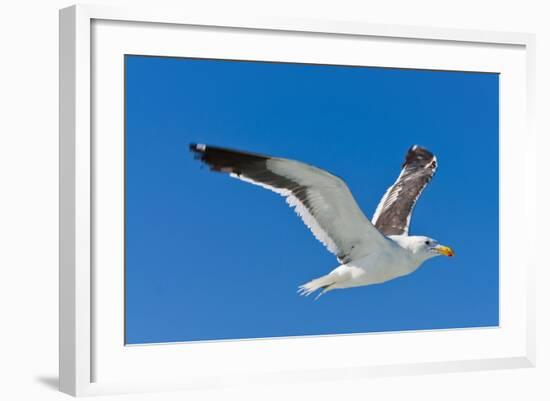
369,252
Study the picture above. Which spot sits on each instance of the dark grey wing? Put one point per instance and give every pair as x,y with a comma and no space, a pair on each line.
393,214
322,200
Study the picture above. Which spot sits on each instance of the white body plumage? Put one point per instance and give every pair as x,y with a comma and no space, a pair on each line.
403,255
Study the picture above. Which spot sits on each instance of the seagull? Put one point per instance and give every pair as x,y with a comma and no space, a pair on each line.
369,252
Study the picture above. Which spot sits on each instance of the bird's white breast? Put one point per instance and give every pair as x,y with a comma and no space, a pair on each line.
377,267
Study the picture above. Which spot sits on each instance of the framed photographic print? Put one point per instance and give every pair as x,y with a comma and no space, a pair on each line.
272,200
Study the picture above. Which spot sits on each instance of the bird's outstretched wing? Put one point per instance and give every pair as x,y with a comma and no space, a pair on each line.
322,200
393,214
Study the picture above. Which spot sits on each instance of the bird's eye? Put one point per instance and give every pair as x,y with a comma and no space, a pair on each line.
427,242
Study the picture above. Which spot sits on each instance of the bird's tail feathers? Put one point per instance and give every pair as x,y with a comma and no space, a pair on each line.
323,283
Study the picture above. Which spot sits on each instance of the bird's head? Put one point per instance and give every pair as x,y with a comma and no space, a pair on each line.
427,248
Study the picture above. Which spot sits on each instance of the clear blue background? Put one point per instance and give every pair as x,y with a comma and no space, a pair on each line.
209,257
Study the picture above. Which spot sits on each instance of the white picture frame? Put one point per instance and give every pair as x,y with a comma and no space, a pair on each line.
94,360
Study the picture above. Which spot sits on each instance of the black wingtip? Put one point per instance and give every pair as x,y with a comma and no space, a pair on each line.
197,148
418,148
418,154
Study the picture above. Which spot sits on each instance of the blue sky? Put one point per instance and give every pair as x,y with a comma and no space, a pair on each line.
209,257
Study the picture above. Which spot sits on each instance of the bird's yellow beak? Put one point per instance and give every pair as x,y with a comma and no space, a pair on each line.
444,250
